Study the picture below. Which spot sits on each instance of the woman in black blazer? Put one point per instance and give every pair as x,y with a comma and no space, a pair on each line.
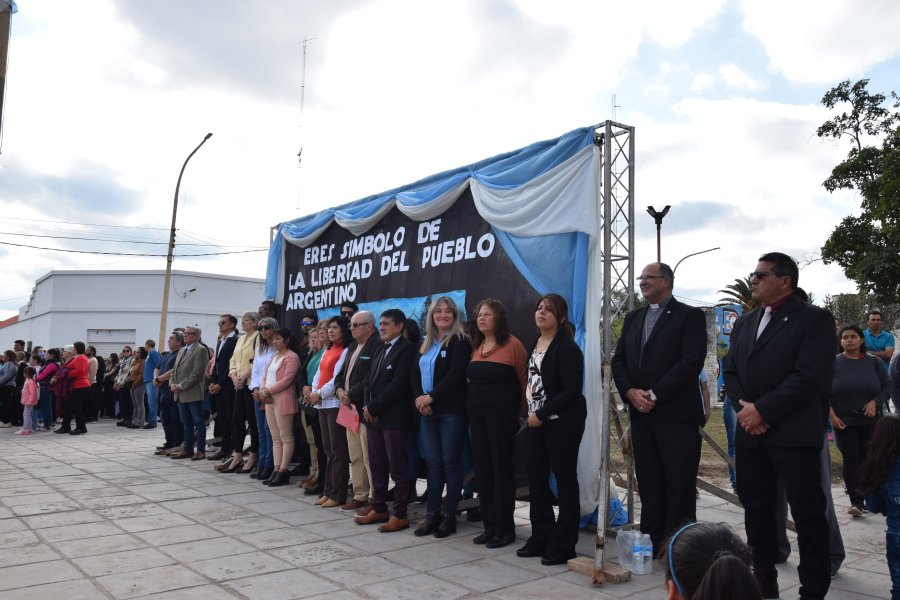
439,387
556,415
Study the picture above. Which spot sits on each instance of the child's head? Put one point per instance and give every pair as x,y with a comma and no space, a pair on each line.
884,448
29,372
708,560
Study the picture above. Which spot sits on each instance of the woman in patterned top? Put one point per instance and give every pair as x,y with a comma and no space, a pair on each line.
556,415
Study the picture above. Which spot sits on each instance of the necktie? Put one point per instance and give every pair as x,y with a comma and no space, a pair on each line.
767,316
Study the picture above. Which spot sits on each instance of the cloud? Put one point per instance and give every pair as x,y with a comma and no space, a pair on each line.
702,81
735,77
824,41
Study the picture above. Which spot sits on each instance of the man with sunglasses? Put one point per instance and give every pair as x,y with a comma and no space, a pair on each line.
656,364
778,373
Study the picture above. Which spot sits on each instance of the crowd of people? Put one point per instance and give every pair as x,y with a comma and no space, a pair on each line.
354,402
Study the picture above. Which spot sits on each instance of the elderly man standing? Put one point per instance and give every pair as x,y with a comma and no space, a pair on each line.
187,385
778,371
349,384
655,366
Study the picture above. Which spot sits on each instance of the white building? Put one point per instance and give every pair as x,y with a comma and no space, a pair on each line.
109,309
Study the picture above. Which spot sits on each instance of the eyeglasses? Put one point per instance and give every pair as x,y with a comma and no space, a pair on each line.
264,328
346,313
191,333
355,325
764,274
222,323
649,277
306,323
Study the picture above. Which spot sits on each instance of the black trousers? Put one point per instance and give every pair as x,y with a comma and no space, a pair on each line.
123,397
554,446
493,427
758,471
853,443
666,459
224,403
7,401
312,419
243,418
74,406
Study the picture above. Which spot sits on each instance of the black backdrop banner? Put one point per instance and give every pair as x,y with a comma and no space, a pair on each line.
401,263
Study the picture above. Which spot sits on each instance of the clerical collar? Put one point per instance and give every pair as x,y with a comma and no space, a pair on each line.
776,305
661,304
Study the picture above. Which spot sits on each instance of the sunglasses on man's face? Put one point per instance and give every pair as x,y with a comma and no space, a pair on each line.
306,323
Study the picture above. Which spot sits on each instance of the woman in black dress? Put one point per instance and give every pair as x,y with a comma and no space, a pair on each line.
494,402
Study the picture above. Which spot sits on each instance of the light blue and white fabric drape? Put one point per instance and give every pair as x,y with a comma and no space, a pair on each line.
542,202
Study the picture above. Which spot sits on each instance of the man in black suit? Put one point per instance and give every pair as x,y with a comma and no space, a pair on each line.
387,413
221,387
349,385
656,367
777,372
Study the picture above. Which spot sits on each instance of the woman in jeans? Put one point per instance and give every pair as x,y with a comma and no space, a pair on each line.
261,358
439,387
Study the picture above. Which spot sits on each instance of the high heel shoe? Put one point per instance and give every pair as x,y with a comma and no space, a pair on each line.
281,478
262,474
429,525
233,468
249,464
271,477
447,526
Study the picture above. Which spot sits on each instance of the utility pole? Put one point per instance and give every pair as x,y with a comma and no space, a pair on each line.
6,11
171,254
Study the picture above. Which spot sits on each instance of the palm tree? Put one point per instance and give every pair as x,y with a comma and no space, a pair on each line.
739,292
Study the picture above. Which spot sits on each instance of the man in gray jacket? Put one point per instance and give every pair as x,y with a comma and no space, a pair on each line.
187,385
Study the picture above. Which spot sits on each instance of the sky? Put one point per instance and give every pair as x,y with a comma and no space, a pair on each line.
106,98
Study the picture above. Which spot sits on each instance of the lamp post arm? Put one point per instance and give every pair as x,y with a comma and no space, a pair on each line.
693,254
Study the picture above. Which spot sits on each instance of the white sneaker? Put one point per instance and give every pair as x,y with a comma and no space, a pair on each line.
854,511
5,425
23,432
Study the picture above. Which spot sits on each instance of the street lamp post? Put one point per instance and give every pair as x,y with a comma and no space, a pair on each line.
171,254
658,217
693,254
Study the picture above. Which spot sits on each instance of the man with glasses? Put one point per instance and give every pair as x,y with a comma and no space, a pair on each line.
349,384
778,373
656,364
186,384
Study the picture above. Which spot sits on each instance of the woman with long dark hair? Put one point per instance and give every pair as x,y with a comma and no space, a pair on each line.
708,561
323,397
879,480
439,387
556,414
138,391
860,385
494,401
314,483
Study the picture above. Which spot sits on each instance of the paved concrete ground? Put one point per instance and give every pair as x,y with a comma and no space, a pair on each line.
98,516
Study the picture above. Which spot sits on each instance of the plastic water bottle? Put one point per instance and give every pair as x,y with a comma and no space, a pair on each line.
624,543
637,554
647,548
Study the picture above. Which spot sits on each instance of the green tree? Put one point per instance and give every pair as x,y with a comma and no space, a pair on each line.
739,292
852,309
866,246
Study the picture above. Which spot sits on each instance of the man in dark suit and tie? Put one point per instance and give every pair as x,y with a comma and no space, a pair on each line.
777,372
656,367
221,388
387,413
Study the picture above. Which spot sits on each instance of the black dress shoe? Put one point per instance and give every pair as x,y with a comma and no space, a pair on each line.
218,455
484,538
556,560
264,474
528,552
316,491
271,478
78,432
123,423
429,525
447,526
499,541
281,478
62,430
